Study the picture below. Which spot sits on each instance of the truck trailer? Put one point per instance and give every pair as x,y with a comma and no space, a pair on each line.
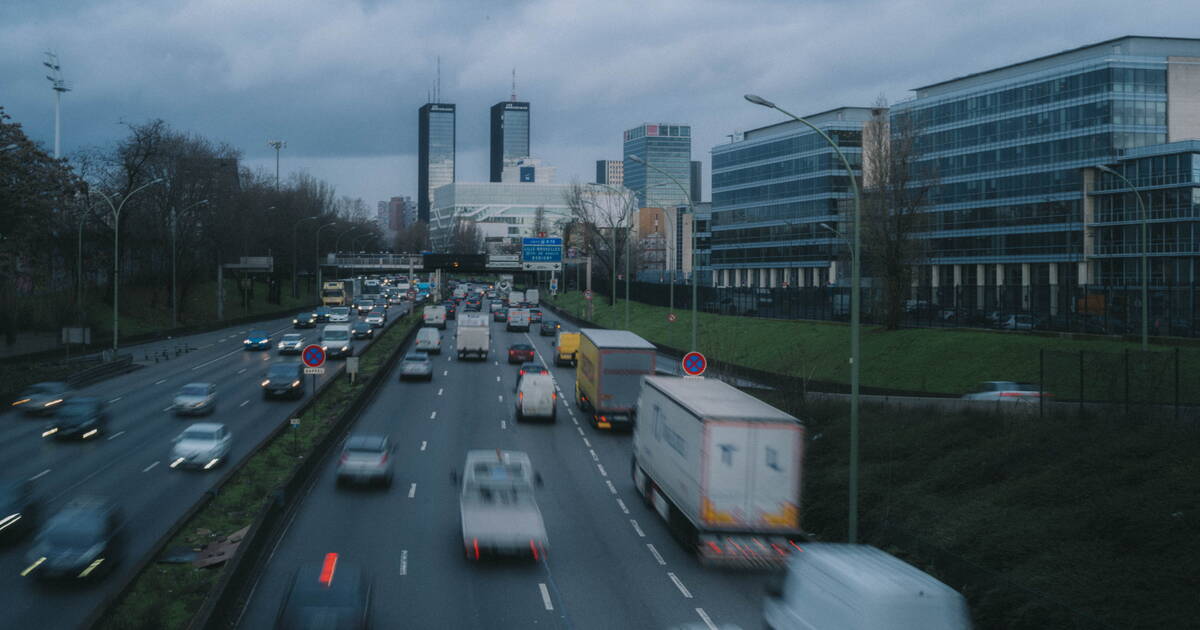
722,468
609,368
474,336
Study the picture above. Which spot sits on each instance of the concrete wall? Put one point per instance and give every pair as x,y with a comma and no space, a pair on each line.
1183,98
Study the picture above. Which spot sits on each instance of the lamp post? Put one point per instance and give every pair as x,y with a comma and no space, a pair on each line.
295,229
855,253
1145,252
174,230
695,275
317,252
116,212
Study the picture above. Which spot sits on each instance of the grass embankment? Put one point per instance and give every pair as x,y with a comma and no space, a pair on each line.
166,596
1099,513
949,361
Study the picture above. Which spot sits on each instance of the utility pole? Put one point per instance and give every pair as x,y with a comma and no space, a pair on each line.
277,144
59,86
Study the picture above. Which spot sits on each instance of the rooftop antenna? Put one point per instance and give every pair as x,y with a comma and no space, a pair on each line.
513,98
59,86
437,91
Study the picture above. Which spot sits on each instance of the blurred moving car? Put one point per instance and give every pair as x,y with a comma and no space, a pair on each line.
284,379
520,353
1019,322
195,399
291,343
42,398
18,509
339,314
202,445
257,340
549,328
361,330
305,320
500,515
1005,391
366,458
416,365
79,542
333,594
82,418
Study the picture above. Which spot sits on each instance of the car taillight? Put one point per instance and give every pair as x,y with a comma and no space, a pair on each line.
521,396
553,395
383,458
1017,394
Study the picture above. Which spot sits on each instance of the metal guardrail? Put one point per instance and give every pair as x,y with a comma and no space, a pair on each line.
121,364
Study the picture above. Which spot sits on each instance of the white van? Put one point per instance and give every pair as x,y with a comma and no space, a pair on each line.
435,316
429,340
518,320
832,585
536,398
335,339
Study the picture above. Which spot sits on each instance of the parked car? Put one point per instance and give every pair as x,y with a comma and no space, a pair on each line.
416,365
366,458
1005,391
202,445
195,399
42,398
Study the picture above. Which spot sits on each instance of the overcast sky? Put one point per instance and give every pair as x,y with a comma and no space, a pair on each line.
341,80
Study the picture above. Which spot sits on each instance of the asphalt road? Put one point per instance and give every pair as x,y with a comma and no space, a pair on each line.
611,562
129,461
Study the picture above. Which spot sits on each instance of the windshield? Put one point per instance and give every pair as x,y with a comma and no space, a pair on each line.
282,371
416,358
202,435
76,409
332,293
74,531
341,310
335,335
258,334
292,338
194,390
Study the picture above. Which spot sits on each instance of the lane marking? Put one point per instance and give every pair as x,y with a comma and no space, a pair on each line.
611,488
704,617
412,491
404,564
497,379
621,504
603,473
658,557
227,354
160,381
423,445
241,371
114,400
115,435
496,363
445,372
40,475
440,391
679,585
433,416
595,457
244,403
579,429
503,424
169,408
501,398
545,596
148,468
587,443
637,528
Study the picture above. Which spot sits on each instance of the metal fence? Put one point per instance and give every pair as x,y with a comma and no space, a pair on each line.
1149,383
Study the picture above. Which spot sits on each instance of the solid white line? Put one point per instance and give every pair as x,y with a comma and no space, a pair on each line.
114,400
679,585
115,435
244,403
412,491
587,443
404,564
595,457
160,381
621,504
658,556
423,443
40,475
147,469
433,416
603,472
637,528
440,391
545,596
503,424
704,617
611,488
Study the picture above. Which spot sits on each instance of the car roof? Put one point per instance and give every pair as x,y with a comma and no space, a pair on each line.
417,355
198,384
205,426
520,346
365,441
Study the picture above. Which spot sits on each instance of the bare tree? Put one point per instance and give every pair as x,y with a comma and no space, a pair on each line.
539,221
466,238
413,239
603,221
896,187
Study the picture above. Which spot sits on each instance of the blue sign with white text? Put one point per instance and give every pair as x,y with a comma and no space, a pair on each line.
541,250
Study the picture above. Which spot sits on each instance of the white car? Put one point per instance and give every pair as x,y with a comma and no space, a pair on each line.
339,314
291,343
1005,391
202,445
375,319
195,399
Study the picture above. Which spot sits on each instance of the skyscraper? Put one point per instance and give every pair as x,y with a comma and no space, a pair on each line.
435,153
697,179
510,135
668,147
611,172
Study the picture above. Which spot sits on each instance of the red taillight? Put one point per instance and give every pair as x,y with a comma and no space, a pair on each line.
793,543
475,541
328,568
553,395
779,550
1017,394
521,396
533,548
712,545
383,458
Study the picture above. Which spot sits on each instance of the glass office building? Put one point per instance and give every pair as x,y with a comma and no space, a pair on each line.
510,135
435,153
667,146
771,191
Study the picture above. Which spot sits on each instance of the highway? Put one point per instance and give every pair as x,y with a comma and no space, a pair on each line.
611,562
128,462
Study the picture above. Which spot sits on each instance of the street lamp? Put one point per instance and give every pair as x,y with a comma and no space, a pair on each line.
317,252
295,229
1145,252
337,242
116,212
855,253
695,272
174,303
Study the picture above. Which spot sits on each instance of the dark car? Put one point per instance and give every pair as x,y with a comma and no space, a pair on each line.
333,594
43,398
83,418
80,542
520,353
364,306
362,330
451,308
549,328
257,340
535,315
322,314
284,379
18,509
304,320
500,315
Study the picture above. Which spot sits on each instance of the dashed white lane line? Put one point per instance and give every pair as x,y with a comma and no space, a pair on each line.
113,400
603,473
160,381
679,585
704,617
621,504
404,563
423,444
440,390
496,363
587,443
169,408
658,557
150,467
580,430
244,403
611,488
595,457
206,363
40,475
115,435
241,371
503,424
501,398
545,596
497,379
412,491
433,416
445,372
637,528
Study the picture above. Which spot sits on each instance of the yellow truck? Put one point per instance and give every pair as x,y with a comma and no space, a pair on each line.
333,293
609,368
565,348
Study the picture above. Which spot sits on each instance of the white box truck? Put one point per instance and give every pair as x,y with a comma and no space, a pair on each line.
474,335
721,467
531,296
435,316
515,298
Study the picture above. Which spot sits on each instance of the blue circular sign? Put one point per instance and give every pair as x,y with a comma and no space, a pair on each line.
694,364
313,356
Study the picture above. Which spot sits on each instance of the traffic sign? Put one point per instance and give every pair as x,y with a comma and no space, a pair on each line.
671,317
313,356
541,249
587,294
311,370
694,364
295,423
553,285
541,266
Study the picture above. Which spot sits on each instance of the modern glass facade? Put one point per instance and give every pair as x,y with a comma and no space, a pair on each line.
610,172
435,153
667,146
510,135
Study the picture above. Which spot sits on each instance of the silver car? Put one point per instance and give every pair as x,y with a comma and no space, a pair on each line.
339,314
42,398
375,319
366,458
416,365
1006,391
195,399
291,343
202,445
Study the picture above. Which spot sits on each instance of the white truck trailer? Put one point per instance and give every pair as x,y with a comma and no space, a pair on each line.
722,468
474,335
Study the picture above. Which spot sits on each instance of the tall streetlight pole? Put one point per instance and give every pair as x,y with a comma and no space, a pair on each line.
116,280
174,230
855,254
317,253
1145,253
695,272
59,86
277,145
295,229
337,242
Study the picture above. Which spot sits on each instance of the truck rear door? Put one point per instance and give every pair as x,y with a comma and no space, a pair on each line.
751,475
621,378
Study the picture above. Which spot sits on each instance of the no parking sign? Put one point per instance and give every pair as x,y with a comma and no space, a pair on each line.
694,364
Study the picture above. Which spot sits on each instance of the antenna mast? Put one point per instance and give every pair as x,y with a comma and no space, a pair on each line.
59,86
513,98
437,90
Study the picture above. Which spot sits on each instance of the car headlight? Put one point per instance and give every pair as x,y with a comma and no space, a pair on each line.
296,383
266,382
246,341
